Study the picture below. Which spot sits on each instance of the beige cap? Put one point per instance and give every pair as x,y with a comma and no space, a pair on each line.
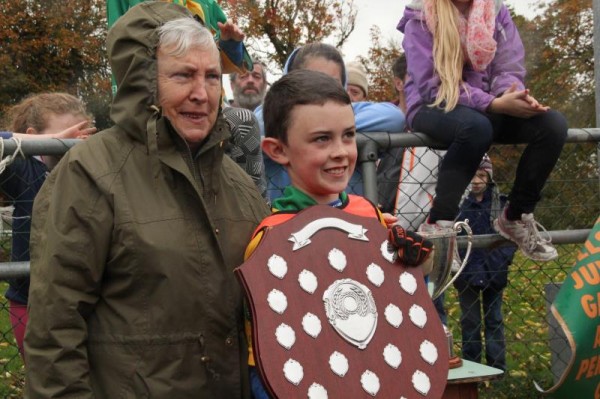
357,76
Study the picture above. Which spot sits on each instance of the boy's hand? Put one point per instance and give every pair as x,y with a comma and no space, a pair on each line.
413,249
389,219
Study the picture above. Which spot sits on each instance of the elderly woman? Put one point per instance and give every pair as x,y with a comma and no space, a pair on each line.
137,231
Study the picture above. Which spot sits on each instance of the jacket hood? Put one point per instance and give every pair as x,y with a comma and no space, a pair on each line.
414,10
132,42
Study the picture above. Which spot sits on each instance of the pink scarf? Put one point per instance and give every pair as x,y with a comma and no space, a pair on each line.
476,31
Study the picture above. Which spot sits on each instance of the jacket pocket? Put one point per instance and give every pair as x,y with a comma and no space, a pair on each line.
136,386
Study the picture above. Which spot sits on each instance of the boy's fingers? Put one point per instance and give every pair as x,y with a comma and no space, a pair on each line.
412,248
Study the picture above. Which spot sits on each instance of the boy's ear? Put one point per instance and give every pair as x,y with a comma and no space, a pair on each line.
31,130
275,150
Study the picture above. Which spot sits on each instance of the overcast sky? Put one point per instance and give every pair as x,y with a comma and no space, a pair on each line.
386,14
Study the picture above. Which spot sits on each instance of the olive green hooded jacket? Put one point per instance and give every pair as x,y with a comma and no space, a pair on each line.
133,245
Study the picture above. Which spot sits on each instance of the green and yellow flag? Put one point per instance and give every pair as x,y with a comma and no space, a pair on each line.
208,11
577,310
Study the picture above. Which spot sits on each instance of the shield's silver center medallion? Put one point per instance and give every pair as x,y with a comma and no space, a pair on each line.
351,311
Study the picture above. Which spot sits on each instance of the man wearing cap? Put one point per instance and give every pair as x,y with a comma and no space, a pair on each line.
358,86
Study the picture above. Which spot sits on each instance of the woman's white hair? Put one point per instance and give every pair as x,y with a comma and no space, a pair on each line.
178,36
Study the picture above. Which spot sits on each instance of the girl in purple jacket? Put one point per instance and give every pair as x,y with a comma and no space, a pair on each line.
466,90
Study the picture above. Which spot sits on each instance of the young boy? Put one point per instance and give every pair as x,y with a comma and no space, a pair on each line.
311,132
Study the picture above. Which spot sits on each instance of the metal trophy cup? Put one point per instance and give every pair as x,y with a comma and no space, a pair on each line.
442,275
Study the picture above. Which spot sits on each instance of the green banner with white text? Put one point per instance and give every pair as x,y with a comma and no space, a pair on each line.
577,310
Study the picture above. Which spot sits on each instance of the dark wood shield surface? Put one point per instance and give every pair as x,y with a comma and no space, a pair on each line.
335,314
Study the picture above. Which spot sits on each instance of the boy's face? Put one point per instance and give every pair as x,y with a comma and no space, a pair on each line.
479,182
321,152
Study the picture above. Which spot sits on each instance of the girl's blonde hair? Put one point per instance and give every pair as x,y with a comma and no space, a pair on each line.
448,56
34,111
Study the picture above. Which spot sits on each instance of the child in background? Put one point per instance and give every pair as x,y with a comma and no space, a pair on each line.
311,132
481,285
46,115
466,89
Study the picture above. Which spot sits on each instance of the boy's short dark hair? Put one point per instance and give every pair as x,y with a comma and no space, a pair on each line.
299,87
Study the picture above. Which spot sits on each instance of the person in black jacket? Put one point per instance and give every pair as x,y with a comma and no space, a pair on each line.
37,116
480,286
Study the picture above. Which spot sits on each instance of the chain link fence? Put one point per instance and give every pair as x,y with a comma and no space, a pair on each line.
399,172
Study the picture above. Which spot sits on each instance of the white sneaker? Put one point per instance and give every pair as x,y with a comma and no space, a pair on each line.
526,235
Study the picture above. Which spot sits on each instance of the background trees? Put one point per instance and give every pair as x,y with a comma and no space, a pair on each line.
560,58
276,27
560,65
378,63
52,46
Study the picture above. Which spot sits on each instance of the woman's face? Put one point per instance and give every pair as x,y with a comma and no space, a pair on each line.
325,66
189,91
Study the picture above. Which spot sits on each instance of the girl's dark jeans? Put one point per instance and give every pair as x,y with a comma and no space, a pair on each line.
470,133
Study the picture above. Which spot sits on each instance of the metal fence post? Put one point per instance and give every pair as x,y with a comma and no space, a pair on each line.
367,157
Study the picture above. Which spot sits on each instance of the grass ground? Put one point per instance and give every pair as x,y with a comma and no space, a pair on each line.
12,372
526,327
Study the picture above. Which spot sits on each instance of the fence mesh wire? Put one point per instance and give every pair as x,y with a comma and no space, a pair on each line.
535,347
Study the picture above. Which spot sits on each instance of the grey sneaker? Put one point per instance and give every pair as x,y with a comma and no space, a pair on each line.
441,226
526,235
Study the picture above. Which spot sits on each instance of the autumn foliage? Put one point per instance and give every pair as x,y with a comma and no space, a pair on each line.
53,45
57,45
560,58
274,28
379,66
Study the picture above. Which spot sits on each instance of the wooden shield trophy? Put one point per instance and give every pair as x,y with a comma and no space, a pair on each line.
335,314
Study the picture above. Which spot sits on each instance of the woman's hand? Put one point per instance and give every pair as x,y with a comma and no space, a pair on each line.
78,131
518,103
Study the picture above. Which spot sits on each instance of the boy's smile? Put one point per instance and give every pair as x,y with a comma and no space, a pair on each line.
320,154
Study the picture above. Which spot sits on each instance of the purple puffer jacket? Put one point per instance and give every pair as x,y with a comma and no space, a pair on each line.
421,88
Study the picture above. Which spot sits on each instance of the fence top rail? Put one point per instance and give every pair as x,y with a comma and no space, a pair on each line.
21,269
383,140
389,140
